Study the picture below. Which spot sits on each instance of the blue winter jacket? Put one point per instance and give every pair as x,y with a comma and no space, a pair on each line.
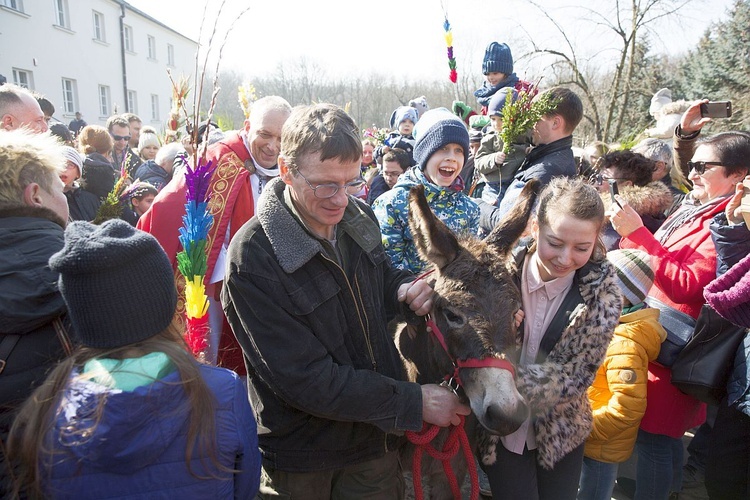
732,244
137,449
153,174
459,212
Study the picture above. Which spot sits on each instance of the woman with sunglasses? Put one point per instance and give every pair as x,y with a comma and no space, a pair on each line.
684,258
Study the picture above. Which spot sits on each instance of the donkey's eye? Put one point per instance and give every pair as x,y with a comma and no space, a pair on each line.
454,320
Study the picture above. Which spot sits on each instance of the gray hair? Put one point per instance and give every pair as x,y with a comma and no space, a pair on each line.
168,153
654,149
266,105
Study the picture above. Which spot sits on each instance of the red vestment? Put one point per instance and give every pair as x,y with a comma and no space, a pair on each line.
231,204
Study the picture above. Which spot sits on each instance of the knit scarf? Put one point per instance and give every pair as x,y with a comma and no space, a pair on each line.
485,93
689,210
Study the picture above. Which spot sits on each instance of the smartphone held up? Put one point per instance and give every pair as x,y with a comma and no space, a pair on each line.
716,109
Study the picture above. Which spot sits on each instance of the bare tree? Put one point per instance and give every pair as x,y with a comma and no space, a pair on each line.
631,22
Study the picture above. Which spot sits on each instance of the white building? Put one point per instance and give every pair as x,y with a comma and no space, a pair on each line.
99,57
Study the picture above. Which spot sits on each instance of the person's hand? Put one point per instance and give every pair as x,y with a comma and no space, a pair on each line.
385,149
417,295
623,217
734,208
499,158
518,317
692,120
441,407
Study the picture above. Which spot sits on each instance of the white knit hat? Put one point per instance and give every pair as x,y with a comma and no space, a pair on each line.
634,273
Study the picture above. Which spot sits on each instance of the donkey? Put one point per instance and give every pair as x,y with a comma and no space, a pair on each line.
474,306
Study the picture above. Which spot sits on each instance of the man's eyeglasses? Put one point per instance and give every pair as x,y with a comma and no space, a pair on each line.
700,166
599,179
121,137
325,191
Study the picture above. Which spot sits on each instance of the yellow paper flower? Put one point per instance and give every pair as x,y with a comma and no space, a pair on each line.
196,303
449,38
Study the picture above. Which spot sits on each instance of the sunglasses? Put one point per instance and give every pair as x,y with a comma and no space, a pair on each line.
700,166
121,137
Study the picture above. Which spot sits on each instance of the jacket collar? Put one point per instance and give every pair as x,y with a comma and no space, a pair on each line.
292,244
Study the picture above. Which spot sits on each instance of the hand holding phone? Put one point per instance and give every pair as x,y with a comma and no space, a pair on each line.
716,109
613,190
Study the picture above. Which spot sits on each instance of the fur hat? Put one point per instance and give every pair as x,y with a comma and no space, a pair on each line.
662,97
437,128
72,155
729,294
403,113
117,282
420,104
633,272
497,59
497,102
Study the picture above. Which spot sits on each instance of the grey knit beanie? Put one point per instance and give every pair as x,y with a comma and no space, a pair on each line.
117,282
434,130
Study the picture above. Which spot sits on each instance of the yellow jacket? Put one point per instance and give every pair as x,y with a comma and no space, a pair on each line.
618,394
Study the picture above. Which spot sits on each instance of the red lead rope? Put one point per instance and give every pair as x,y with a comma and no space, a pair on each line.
456,438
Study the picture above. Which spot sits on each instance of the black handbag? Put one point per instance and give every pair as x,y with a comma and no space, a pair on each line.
703,366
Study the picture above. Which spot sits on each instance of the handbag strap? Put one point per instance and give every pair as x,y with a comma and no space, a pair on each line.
6,347
559,321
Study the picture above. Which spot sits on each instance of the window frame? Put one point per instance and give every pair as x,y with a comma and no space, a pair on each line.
100,33
155,107
62,10
151,40
70,106
17,72
132,100
127,34
105,101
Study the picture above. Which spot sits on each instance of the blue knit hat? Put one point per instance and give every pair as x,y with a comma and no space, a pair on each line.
435,129
497,59
497,102
403,113
117,282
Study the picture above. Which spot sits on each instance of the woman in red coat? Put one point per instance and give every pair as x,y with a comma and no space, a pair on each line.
684,259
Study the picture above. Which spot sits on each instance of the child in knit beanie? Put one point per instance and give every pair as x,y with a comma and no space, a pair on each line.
442,148
402,122
618,394
130,412
497,169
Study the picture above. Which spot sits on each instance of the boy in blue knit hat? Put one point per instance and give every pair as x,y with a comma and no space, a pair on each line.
441,150
497,68
402,124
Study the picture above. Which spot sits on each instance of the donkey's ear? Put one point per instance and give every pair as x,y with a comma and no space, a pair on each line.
435,242
513,224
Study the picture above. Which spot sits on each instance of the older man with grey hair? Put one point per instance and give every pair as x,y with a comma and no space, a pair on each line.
246,162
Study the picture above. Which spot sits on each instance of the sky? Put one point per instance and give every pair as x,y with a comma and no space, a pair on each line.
404,39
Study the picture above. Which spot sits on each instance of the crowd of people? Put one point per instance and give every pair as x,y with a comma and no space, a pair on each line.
310,257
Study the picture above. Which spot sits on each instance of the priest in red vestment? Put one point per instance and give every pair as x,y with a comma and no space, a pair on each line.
245,162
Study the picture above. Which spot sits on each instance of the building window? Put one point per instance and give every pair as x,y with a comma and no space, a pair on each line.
13,4
170,54
23,78
62,17
154,107
132,102
104,102
151,47
127,34
99,26
70,95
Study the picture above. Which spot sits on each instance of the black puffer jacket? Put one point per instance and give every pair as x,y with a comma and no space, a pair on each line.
326,381
29,303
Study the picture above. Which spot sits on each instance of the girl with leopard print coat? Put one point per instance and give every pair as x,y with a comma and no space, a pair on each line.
571,304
